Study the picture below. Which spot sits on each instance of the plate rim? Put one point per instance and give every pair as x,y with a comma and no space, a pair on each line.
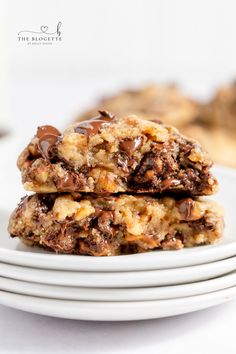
94,311
113,294
130,279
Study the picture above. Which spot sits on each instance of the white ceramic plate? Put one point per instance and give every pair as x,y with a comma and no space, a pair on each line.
115,311
121,294
120,279
12,251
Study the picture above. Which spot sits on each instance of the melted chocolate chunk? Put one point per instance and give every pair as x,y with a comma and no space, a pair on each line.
46,144
68,182
202,224
47,202
129,146
107,115
48,136
186,207
92,126
47,130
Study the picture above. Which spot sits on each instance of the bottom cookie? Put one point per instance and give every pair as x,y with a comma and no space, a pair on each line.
113,225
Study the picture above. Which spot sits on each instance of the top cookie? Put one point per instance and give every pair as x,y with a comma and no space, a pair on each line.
110,155
165,102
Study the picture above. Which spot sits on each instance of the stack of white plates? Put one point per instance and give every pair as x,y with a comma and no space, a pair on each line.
140,286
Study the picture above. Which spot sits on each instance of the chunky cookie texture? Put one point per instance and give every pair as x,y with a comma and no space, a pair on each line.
110,155
114,225
165,102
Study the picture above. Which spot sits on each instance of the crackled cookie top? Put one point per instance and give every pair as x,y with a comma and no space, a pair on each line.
110,155
113,225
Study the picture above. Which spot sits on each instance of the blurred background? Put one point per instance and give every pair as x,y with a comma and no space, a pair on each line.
108,45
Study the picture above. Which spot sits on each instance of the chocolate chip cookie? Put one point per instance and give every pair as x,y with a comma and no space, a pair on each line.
115,224
111,155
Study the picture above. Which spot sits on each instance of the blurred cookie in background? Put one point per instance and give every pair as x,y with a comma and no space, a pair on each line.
221,110
165,102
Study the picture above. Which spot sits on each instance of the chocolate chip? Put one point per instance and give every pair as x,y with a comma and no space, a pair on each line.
92,126
202,224
66,182
69,182
130,145
151,162
46,201
46,144
48,136
47,130
107,115
186,207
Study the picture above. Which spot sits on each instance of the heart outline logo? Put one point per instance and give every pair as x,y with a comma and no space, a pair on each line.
44,29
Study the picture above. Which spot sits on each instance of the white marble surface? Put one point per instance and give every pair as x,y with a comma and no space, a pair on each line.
207,331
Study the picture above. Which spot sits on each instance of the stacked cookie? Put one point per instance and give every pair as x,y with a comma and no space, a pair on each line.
111,186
